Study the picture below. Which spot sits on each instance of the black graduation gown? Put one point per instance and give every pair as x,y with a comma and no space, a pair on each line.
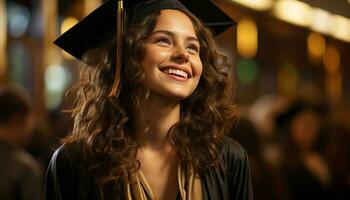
66,180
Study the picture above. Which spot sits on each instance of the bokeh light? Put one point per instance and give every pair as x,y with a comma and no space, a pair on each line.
247,38
316,45
331,59
340,28
256,4
247,71
57,78
67,23
18,17
322,21
295,12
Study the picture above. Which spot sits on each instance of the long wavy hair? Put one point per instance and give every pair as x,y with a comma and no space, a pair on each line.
103,126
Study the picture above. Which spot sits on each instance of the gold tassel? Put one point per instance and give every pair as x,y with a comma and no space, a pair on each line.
119,50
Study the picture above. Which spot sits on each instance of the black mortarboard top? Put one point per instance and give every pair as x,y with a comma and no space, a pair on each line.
102,22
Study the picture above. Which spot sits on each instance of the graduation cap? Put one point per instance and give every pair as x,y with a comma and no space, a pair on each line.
109,20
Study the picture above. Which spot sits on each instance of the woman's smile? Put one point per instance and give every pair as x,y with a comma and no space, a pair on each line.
178,71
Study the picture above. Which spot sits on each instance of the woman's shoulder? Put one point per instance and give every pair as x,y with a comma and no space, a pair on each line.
66,177
233,173
67,155
65,165
231,149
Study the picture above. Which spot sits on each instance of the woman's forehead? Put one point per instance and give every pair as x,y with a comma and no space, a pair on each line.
176,22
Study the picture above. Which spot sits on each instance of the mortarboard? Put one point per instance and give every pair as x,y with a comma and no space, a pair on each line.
105,20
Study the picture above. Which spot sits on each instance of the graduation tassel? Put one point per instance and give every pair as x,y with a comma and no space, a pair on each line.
119,49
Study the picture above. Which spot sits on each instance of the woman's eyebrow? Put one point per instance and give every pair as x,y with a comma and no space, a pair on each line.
171,34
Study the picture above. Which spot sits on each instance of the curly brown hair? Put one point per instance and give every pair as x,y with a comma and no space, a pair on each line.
103,126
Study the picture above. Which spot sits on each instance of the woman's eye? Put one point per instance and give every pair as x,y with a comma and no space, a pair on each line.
193,48
163,41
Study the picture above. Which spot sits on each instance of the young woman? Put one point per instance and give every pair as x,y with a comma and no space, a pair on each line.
153,126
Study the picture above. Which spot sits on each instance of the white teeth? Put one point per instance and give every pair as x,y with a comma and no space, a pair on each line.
176,72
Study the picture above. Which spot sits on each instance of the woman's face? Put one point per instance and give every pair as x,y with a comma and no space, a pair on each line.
171,63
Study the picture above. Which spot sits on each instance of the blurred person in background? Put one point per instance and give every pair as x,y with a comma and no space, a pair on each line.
39,146
266,181
304,168
338,151
262,115
20,176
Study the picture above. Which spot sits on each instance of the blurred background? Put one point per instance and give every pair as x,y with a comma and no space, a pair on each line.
291,69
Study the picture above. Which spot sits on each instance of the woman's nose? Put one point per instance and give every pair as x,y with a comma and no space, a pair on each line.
180,55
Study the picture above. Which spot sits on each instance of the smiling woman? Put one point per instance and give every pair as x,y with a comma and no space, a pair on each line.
150,124
172,64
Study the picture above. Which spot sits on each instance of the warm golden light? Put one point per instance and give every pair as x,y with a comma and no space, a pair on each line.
67,55
316,45
340,28
331,59
247,38
68,23
256,4
295,12
322,21
50,53
90,5
3,40
334,87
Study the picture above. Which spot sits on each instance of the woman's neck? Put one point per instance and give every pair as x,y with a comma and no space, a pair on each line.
161,114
